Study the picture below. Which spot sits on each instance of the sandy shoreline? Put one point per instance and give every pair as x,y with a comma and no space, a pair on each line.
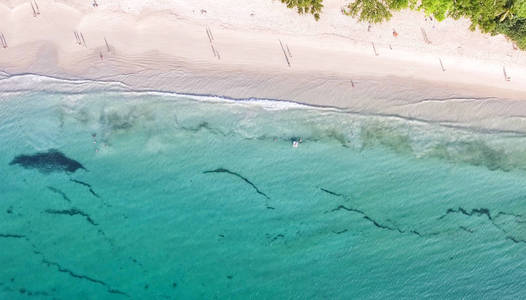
168,49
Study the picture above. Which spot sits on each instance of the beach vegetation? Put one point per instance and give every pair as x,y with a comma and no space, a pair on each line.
506,17
372,11
312,7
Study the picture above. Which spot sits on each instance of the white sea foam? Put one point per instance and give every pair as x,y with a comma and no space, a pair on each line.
40,83
33,82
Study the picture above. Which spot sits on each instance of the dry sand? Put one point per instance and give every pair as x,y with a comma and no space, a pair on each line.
164,45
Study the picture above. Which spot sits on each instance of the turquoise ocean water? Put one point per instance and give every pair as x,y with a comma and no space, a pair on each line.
185,198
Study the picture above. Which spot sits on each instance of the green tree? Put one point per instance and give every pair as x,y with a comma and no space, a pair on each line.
437,8
376,11
520,8
313,7
372,11
490,16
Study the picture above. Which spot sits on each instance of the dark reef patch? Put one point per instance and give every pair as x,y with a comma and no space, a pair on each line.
479,212
203,126
61,193
380,225
222,170
25,292
47,162
373,221
84,277
86,185
474,211
515,240
72,212
331,192
274,238
12,236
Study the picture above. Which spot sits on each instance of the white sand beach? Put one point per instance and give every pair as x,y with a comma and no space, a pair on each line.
432,71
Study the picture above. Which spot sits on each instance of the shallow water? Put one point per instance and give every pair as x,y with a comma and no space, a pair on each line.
202,198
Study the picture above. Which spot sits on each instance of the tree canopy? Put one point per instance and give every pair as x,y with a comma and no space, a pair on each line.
490,16
306,6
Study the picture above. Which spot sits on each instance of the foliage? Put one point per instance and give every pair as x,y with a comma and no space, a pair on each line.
521,9
490,16
376,11
438,8
313,7
515,29
372,11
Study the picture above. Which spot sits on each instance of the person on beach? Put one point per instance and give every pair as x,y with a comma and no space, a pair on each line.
395,34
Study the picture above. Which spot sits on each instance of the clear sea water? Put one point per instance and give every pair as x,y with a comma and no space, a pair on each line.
203,198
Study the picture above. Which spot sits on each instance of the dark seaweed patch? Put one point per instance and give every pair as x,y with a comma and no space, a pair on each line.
275,237
12,236
222,170
474,211
61,193
376,223
47,162
492,218
84,277
203,125
25,291
515,240
72,212
348,209
368,218
86,185
331,192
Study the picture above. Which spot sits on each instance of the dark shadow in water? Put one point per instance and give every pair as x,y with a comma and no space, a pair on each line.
273,238
57,191
12,236
203,126
71,212
47,162
370,219
84,277
59,267
86,185
478,212
376,223
23,291
332,193
222,170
